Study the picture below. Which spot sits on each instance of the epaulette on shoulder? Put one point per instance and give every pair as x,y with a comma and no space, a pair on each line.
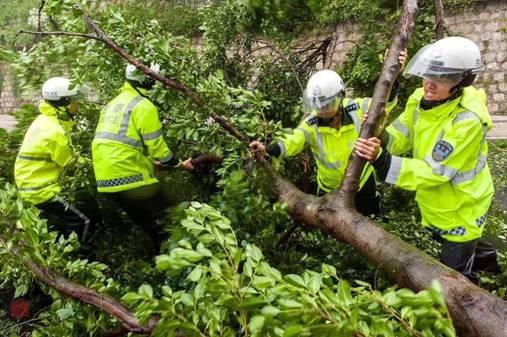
351,107
312,120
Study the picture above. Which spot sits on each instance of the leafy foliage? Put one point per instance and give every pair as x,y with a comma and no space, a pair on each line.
15,16
227,286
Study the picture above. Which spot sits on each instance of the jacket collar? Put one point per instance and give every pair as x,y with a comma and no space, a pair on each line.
346,120
475,100
443,110
129,87
61,114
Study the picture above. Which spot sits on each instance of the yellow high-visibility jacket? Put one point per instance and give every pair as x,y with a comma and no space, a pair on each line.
44,153
448,169
127,140
331,147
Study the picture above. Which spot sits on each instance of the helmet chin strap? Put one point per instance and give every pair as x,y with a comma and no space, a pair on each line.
62,114
467,80
147,84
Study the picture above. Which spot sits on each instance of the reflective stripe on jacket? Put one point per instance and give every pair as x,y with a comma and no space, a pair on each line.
448,169
127,140
331,147
45,151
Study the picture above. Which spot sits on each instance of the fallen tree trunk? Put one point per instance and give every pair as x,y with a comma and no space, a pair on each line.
128,320
475,312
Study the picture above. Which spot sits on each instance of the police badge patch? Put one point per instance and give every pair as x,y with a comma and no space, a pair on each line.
441,150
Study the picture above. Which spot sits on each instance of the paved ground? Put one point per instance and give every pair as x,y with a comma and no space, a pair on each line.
499,130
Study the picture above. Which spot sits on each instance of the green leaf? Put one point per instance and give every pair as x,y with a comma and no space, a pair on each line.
163,262
344,293
289,303
187,299
214,266
382,328
295,280
262,282
256,323
255,253
270,311
65,313
33,237
191,255
206,238
315,284
253,301
146,291
247,268
195,275
293,330
328,269
167,291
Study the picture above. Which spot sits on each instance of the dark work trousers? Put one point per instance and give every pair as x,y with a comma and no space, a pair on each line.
368,200
82,217
145,206
469,257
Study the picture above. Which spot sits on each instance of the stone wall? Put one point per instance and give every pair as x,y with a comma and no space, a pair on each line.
8,101
486,24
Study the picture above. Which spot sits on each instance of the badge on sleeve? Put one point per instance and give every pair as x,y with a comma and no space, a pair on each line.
441,150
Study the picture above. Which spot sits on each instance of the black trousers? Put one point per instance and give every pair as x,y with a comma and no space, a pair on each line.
368,201
469,257
145,206
82,217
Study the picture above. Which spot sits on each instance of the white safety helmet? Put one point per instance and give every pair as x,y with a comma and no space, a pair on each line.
453,58
58,90
136,76
325,89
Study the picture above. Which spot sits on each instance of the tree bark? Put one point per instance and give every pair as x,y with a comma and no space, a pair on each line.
440,25
84,294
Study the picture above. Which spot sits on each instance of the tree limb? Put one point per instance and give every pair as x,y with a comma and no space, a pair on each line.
374,124
167,82
206,159
84,294
164,80
59,33
39,18
440,24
